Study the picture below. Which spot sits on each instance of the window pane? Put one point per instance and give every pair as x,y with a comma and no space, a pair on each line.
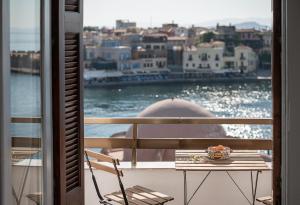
26,101
217,61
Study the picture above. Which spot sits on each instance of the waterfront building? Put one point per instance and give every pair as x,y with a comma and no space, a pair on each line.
150,60
92,38
125,24
132,40
152,52
267,40
206,57
25,61
209,57
228,35
176,41
175,58
251,38
249,34
194,34
225,32
101,64
109,53
153,41
121,55
110,42
175,46
230,64
246,59
90,52
93,59
136,64
265,53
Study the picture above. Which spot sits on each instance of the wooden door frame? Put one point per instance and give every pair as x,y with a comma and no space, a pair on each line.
277,100
58,15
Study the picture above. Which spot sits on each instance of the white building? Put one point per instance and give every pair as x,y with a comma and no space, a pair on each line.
246,58
154,64
207,56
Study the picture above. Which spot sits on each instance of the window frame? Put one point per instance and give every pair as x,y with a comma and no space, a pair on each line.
46,100
5,117
277,67
5,148
277,86
4,90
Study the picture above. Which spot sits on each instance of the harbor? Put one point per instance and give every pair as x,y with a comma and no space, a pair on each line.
108,79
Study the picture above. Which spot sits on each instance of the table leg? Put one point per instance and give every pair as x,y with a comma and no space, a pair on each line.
254,187
185,188
239,188
202,182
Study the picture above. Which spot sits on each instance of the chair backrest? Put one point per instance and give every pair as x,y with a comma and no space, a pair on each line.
99,164
104,162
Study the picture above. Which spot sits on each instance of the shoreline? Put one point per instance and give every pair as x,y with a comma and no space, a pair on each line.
188,81
26,71
183,80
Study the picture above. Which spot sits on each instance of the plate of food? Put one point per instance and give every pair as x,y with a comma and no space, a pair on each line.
219,152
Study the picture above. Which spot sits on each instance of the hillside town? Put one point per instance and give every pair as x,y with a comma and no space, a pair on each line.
128,53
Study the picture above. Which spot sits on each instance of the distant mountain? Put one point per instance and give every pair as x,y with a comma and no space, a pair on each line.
250,25
261,22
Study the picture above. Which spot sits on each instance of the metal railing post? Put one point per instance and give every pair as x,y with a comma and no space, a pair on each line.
134,145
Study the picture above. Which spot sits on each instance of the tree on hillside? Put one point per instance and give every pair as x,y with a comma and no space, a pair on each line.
207,37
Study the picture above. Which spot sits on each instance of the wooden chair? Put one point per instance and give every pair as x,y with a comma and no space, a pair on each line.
268,200
136,195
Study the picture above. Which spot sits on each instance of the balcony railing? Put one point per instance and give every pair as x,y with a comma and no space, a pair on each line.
135,143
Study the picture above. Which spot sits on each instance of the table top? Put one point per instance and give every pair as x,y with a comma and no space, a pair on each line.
240,160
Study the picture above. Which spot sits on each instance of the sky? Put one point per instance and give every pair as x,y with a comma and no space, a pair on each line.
151,13
25,14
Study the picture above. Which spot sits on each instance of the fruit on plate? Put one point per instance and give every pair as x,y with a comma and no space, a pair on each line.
218,152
